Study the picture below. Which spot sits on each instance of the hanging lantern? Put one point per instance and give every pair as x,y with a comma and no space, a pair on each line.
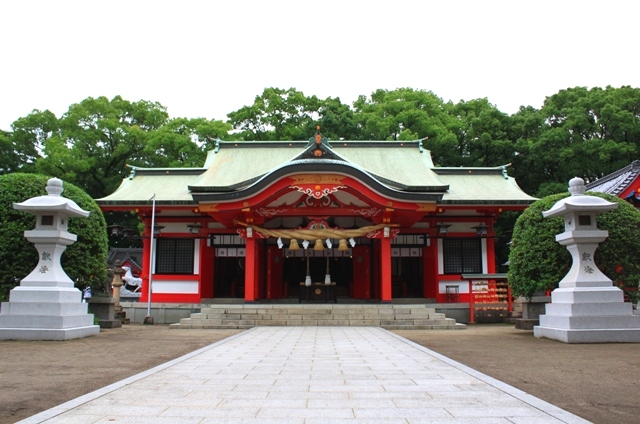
293,245
318,245
443,229
481,230
343,245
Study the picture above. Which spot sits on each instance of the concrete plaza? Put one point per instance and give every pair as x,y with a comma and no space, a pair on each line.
309,375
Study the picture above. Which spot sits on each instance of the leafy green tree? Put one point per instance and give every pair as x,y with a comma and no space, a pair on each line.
471,133
184,142
277,114
589,134
399,114
84,261
408,114
29,136
9,161
525,128
482,133
537,262
337,120
97,138
580,132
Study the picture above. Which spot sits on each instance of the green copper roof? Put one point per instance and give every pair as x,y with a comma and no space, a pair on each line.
401,166
482,188
398,164
406,165
233,163
168,188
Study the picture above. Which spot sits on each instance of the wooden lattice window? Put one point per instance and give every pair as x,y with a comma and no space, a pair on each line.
174,256
462,256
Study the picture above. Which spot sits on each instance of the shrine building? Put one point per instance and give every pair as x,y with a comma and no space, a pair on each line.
375,220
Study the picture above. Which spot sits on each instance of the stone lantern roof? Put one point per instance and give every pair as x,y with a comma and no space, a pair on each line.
579,202
52,202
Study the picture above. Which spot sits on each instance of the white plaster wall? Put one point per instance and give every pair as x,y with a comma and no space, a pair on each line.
175,287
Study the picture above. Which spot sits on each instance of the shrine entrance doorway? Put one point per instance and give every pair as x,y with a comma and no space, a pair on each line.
295,272
407,277
229,277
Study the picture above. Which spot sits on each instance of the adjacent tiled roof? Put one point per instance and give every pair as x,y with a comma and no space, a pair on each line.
170,186
617,182
133,255
483,188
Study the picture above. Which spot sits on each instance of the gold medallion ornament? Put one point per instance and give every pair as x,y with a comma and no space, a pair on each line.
317,185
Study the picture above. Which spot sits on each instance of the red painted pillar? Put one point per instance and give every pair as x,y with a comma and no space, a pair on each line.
385,270
491,255
259,273
250,270
207,259
491,265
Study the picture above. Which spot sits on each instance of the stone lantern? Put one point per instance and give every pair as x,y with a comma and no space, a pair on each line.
46,305
586,307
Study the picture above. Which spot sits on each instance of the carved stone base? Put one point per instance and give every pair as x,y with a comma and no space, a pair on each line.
47,333
604,335
45,313
589,315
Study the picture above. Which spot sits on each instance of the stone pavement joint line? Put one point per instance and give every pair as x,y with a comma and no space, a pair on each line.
309,375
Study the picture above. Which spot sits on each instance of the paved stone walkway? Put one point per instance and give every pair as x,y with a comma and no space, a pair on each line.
309,375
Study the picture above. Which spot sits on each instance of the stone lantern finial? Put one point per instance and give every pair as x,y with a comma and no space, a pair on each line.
54,187
576,186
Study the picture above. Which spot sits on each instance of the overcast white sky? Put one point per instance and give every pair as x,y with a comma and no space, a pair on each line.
209,58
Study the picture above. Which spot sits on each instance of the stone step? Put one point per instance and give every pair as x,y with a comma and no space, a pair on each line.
323,308
401,317
334,313
317,316
122,316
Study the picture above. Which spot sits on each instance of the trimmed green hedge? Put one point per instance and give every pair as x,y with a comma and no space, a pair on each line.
85,261
537,262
